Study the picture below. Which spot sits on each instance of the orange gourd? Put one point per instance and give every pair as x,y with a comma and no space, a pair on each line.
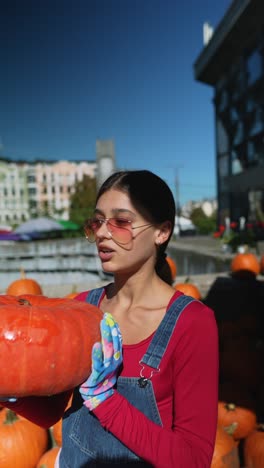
45,343
254,448
173,267
244,420
24,286
189,289
57,427
48,458
22,443
245,262
225,453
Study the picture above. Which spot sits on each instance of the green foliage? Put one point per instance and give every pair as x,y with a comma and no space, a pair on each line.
204,224
82,202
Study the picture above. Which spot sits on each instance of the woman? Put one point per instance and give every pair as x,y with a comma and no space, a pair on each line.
151,399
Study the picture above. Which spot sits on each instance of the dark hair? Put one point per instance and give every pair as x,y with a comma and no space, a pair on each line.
153,199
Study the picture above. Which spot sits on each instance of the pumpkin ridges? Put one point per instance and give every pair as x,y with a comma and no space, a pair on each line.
21,443
46,346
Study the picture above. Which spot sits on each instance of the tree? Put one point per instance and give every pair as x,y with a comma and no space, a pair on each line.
204,224
82,202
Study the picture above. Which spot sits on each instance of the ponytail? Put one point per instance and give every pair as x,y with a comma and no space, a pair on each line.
162,267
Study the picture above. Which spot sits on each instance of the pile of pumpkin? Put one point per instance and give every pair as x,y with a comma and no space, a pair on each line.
240,436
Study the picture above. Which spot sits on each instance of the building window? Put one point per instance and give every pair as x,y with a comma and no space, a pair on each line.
254,67
223,101
223,166
237,167
257,124
222,138
239,133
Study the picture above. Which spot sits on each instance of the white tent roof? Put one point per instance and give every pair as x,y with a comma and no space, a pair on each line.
38,225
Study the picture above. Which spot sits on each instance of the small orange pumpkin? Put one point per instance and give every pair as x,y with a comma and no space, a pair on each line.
22,442
245,262
189,289
173,267
48,458
243,419
225,453
24,286
56,429
254,448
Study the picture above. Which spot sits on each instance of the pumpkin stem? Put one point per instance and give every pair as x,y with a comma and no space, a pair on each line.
22,273
11,417
23,302
230,406
187,279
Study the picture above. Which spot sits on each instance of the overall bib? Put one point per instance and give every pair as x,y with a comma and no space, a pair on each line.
85,443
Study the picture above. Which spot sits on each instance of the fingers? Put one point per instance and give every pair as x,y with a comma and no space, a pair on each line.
97,356
111,339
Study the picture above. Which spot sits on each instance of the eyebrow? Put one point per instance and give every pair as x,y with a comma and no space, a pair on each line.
115,211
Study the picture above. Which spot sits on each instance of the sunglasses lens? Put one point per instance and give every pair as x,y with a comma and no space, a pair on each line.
120,229
89,230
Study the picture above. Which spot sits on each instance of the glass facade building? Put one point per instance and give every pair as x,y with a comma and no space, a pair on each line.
232,63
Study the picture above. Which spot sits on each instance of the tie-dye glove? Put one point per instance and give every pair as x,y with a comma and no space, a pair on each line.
106,360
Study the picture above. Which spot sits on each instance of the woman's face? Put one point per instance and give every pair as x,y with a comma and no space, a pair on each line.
128,241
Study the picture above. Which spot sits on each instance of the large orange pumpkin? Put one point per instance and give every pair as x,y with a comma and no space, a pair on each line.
254,448
225,451
243,419
45,343
48,458
22,443
245,262
24,285
173,267
189,289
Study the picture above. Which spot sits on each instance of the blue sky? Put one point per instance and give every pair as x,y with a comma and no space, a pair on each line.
73,71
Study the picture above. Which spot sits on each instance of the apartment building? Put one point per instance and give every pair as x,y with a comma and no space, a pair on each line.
39,188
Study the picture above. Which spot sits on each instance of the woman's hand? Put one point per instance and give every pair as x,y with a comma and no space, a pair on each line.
106,360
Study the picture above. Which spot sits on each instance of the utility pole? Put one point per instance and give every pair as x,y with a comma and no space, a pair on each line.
177,198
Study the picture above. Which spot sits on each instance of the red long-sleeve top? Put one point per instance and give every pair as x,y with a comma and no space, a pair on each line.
186,391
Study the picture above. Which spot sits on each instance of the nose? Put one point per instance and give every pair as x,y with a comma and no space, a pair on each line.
103,230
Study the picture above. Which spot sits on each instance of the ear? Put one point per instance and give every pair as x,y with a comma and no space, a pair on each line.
163,233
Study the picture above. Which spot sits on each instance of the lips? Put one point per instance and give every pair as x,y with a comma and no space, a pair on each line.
105,253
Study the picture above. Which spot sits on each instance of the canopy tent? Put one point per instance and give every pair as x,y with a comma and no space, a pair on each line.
41,224
69,225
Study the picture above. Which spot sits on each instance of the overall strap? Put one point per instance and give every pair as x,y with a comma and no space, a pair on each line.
93,297
160,340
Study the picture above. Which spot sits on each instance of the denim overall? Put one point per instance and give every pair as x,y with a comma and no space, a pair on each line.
84,441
